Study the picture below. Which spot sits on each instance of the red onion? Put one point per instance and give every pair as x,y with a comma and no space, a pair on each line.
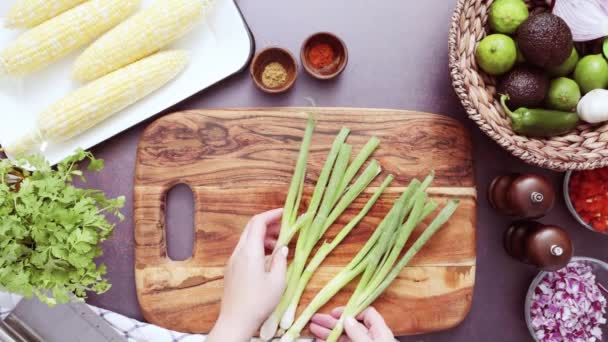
568,306
587,19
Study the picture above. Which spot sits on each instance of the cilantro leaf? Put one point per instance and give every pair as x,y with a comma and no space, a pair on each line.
51,230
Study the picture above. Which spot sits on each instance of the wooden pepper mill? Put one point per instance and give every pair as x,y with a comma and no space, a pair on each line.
547,247
525,196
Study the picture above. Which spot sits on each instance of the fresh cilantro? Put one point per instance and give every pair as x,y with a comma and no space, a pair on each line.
51,231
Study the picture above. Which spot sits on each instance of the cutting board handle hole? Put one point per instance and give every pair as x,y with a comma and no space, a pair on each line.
180,222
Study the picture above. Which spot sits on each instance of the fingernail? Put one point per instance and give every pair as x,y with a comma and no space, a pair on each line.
284,251
350,321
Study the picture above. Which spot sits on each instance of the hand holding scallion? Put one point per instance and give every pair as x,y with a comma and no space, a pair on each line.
373,328
250,291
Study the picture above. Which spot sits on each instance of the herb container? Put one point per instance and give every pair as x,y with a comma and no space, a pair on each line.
330,51
570,205
598,268
268,56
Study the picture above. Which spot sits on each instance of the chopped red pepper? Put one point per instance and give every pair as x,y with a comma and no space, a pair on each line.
589,196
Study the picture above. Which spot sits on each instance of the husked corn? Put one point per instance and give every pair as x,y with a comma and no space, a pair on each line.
29,13
141,35
98,100
56,38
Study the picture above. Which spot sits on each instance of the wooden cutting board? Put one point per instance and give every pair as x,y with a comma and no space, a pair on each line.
239,162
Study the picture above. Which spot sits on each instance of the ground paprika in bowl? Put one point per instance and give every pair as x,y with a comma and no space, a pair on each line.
586,196
324,55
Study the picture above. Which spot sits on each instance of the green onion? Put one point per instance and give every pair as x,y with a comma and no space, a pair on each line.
318,229
292,202
324,251
269,328
358,162
364,298
386,228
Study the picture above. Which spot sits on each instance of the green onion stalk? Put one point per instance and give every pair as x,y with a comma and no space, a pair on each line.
289,225
322,222
330,209
378,243
368,294
269,328
289,315
324,250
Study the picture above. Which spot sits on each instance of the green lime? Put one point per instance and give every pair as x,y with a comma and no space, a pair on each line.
496,54
591,73
507,15
568,66
563,94
605,47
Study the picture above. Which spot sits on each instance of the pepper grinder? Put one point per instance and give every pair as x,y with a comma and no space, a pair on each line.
526,196
545,246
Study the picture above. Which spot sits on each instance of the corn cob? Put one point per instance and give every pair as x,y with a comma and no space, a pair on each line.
141,35
30,13
56,38
98,100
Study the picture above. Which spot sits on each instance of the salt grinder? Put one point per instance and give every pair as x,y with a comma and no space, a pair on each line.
545,246
525,196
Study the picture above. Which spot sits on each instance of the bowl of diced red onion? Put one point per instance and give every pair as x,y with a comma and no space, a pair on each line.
569,304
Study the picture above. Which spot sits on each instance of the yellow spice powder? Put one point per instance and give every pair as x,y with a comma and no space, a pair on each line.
274,75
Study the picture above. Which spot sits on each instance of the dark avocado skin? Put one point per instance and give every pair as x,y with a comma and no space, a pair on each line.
545,40
526,86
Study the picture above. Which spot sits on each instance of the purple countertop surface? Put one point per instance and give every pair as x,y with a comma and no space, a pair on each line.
398,59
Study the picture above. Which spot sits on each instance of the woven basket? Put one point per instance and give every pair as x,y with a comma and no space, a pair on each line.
584,148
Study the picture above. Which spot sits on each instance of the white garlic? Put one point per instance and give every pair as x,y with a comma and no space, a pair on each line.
593,107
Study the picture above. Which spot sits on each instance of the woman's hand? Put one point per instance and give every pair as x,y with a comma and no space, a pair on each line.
250,291
373,329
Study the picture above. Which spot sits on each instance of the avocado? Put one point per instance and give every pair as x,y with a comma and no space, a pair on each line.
545,40
526,86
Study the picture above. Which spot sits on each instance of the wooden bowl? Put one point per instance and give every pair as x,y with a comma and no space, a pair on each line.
339,62
267,56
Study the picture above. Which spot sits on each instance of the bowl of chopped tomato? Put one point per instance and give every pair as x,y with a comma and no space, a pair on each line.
586,196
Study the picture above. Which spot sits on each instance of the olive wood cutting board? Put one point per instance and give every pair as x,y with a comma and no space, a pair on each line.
239,162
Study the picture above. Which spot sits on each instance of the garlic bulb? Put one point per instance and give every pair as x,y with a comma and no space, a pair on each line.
593,107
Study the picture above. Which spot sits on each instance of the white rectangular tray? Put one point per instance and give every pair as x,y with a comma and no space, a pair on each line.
219,47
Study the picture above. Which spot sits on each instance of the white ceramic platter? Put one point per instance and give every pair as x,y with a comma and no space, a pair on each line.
219,47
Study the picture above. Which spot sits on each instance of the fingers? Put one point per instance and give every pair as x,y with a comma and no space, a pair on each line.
269,243
278,268
274,229
372,318
321,333
337,312
323,320
256,232
355,330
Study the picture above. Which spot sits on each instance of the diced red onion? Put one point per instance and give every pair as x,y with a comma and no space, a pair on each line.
568,306
587,19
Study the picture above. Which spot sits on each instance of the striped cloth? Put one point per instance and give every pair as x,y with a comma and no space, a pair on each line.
133,330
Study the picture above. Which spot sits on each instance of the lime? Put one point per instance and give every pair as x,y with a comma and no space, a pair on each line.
568,66
563,94
496,54
605,47
591,72
507,15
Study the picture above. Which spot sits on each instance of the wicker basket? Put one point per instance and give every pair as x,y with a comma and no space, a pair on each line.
584,148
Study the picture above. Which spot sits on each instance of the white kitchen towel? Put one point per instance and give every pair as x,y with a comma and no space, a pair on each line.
133,330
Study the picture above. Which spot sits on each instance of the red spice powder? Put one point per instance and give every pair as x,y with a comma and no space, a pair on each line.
320,55
589,195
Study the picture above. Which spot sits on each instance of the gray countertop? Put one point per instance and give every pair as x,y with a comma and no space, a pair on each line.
398,59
